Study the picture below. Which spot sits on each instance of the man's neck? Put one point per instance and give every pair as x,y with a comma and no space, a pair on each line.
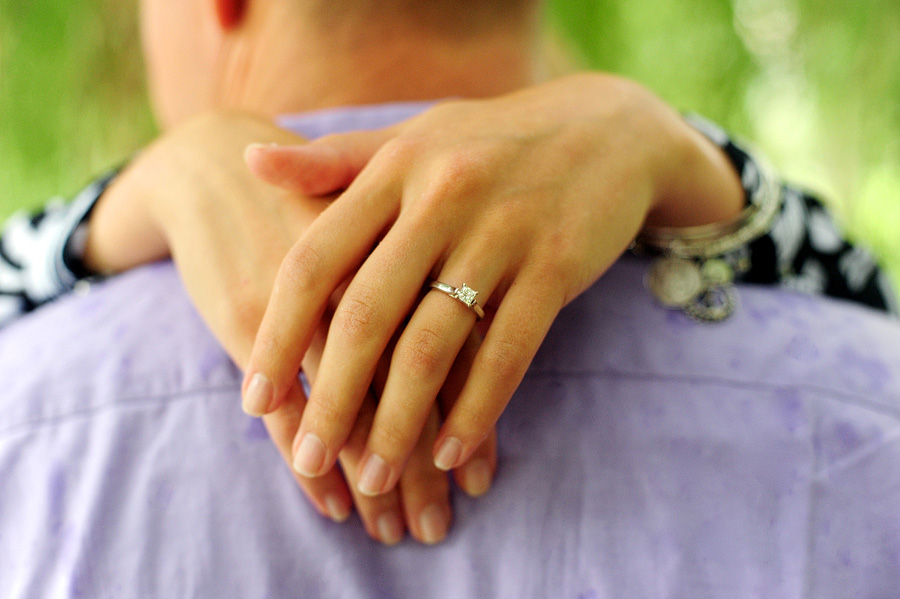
271,69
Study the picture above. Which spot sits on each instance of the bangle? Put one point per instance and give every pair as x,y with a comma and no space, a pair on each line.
694,267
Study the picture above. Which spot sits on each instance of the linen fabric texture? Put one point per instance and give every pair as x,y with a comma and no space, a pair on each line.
644,455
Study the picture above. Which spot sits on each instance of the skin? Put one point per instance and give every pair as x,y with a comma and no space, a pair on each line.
528,198
189,194
539,181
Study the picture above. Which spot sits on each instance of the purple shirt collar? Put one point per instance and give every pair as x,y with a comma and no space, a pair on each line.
351,118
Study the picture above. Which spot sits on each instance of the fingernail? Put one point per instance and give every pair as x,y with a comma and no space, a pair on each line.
448,454
390,528
433,524
338,510
258,396
477,477
374,476
253,148
310,455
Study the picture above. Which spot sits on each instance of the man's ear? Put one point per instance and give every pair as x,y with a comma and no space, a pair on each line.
230,13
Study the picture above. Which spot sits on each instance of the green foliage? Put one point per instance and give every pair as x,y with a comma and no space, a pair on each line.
72,100
815,83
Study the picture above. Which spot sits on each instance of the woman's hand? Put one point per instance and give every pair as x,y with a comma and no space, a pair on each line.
527,199
191,195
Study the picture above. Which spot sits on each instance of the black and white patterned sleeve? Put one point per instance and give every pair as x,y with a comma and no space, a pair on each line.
805,249
40,254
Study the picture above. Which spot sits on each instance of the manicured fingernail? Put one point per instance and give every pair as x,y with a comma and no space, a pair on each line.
433,524
310,455
254,147
374,476
261,146
448,454
477,477
390,528
338,510
259,394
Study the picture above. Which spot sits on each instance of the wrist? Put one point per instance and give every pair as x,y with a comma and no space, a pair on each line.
173,187
119,233
691,180
695,265
699,184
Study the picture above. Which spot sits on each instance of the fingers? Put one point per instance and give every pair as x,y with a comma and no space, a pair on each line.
425,489
476,475
376,302
518,328
311,271
420,363
329,494
422,498
324,166
382,516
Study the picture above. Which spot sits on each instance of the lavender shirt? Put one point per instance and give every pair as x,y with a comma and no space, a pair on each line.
643,456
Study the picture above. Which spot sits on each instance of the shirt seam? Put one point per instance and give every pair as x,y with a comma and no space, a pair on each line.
857,399
168,396
124,401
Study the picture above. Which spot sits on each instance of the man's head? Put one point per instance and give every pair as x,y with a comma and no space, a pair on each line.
268,56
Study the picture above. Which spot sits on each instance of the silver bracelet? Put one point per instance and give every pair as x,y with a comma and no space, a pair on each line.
691,271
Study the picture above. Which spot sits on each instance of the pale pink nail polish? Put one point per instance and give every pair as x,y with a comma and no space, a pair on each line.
310,456
477,477
433,524
390,528
258,396
374,477
338,510
448,454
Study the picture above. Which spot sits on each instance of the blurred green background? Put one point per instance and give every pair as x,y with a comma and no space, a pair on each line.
814,83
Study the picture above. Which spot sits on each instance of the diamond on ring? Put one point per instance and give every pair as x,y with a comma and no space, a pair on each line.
465,295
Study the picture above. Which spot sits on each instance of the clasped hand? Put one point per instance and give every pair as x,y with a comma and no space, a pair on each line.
527,199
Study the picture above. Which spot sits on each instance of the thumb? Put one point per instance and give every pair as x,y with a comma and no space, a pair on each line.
321,167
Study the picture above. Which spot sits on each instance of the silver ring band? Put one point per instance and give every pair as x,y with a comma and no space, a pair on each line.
465,295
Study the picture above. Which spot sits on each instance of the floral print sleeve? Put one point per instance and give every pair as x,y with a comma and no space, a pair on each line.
40,254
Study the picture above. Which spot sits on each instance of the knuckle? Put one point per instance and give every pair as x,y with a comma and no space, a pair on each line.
460,172
357,314
301,267
422,355
455,177
556,274
394,441
327,408
401,150
505,359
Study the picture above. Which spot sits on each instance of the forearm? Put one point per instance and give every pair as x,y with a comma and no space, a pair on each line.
188,185
190,195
